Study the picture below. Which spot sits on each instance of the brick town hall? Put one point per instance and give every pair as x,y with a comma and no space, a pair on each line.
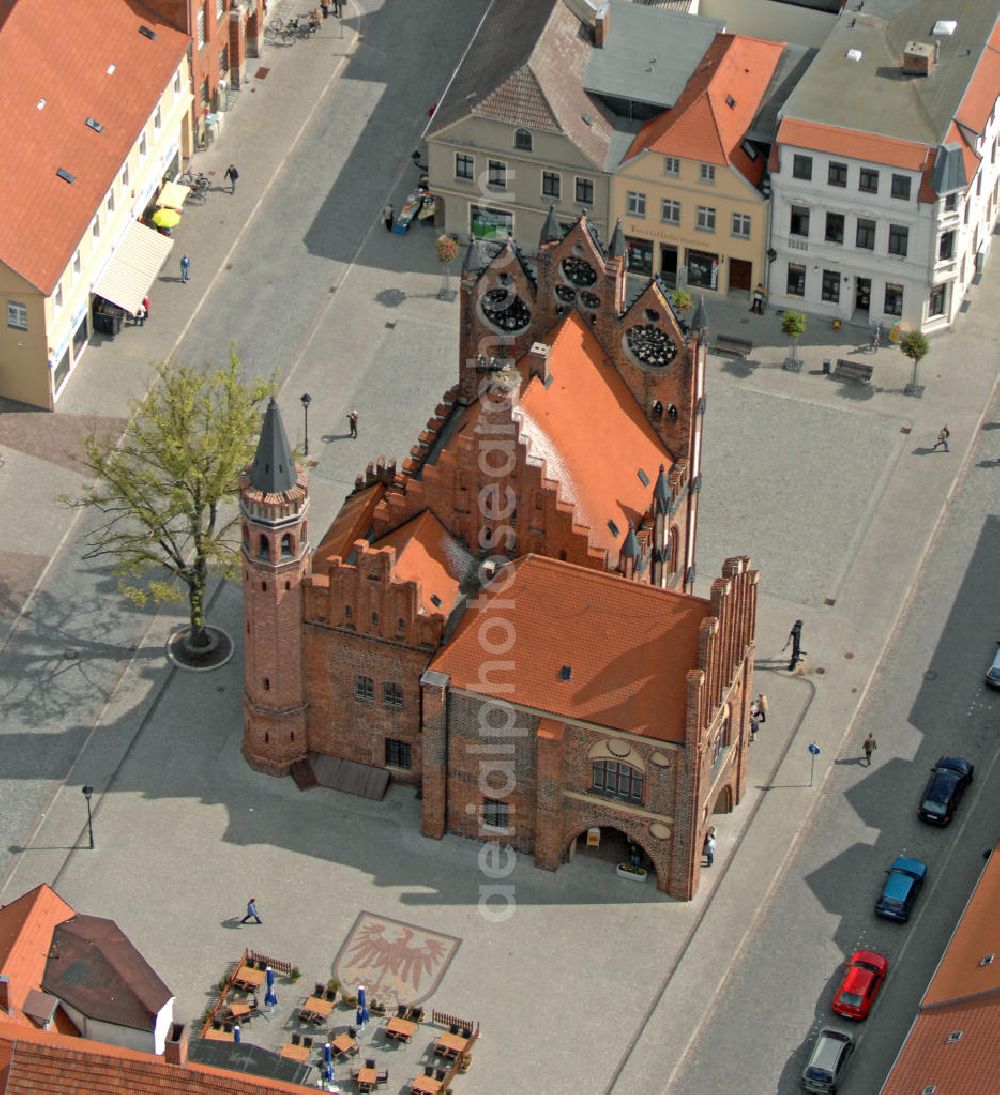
507,619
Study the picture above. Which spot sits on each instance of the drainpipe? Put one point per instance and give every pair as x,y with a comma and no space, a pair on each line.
766,191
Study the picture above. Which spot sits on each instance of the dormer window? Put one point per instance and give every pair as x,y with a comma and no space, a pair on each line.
523,140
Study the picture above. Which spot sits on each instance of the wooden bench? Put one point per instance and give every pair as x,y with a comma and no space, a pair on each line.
730,344
852,370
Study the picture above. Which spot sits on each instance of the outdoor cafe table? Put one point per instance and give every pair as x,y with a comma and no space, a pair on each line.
426,1085
343,1043
239,1011
212,1035
450,1045
400,1029
297,1053
315,1009
367,1078
249,979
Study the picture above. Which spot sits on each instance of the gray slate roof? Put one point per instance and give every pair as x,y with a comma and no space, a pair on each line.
273,469
872,95
792,66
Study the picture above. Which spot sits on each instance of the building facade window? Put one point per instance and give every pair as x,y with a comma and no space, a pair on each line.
584,190
796,284
498,174
868,181
705,221
617,780
708,172
834,228
865,237
398,754
523,140
17,315
898,239
670,211
496,814
741,225
802,167
836,173
465,166
220,7
223,62
364,688
831,286
936,303
951,203
110,203
551,184
900,187
671,165
893,299
76,263
200,34
636,203
125,175
59,295
799,220
158,118
392,694
946,246
177,83
142,144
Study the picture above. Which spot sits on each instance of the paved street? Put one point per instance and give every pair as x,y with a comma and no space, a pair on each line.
831,488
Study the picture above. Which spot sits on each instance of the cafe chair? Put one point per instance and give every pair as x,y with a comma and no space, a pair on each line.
296,1039
307,1042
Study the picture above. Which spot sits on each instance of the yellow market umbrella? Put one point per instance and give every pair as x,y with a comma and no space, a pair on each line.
166,218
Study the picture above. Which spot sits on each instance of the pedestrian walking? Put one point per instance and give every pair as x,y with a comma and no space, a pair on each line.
762,707
140,316
754,727
757,305
185,267
942,439
869,745
352,419
710,850
145,309
252,912
325,5
388,216
232,175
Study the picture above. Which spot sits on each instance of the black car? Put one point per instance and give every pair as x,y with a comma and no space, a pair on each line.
949,778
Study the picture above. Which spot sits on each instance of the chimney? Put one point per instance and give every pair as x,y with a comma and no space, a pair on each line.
538,361
175,1049
4,995
918,59
602,24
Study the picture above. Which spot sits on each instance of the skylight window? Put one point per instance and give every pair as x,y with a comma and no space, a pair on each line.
41,104
95,125
64,174
147,32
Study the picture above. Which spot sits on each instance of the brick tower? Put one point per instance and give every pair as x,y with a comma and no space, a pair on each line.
274,503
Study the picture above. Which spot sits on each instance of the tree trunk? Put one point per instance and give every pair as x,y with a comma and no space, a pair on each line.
196,603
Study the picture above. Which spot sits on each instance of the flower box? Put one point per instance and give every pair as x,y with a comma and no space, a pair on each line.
634,874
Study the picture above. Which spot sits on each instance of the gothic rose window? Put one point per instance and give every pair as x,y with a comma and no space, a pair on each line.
590,300
505,310
566,293
578,271
651,345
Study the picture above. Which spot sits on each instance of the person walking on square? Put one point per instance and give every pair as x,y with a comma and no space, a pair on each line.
185,267
352,419
869,745
754,727
710,850
389,217
232,175
942,439
758,300
252,912
139,318
762,707
145,309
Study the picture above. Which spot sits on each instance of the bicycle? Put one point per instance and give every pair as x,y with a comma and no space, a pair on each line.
275,29
197,183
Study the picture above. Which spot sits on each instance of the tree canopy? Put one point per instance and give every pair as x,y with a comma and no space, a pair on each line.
166,489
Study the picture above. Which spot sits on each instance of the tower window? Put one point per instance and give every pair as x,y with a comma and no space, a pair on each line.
364,688
375,619
267,684
348,611
264,550
288,585
263,587
287,549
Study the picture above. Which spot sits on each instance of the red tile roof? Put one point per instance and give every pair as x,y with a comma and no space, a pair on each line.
26,927
854,143
963,998
61,52
629,647
428,554
34,1062
702,125
980,96
592,434
353,522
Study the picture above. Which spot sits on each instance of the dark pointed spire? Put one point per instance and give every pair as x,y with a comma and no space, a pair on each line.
661,492
273,469
699,321
631,549
551,232
616,247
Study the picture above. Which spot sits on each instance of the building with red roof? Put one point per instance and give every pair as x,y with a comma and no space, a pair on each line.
95,113
507,618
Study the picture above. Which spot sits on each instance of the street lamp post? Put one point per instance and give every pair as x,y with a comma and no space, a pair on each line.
305,400
87,792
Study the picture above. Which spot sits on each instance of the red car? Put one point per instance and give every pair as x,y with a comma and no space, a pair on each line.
865,973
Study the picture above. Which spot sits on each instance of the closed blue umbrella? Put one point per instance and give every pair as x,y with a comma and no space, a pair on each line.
270,997
328,1053
236,1032
363,1016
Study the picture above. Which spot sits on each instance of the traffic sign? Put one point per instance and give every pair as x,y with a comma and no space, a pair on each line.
814,749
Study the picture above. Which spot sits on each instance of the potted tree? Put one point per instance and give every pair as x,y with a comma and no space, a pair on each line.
793,323
447,250
916,347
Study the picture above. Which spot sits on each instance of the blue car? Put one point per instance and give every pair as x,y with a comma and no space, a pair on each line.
906,876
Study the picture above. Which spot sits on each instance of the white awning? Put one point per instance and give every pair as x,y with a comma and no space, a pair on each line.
133,267
173,195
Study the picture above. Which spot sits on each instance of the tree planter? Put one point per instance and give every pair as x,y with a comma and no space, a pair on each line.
634,874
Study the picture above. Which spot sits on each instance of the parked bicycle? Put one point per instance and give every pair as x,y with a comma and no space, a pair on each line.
197,183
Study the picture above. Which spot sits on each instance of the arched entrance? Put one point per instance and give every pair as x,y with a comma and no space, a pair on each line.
724,801
603,848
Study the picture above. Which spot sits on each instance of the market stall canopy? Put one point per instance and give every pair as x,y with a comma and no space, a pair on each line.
166,218
173,195
133,267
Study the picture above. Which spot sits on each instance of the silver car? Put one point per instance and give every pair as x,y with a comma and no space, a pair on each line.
828,1061
993,673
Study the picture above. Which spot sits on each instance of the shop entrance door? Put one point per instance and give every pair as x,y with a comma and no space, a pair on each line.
740,274
863,294
668,265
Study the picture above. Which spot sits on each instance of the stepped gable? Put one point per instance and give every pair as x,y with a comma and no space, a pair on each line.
628,647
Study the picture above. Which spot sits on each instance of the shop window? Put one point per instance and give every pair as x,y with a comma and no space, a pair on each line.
831,286
796,284
465,166
702,269
490,224
617,780
834,228
80,336
802,167
640,256
398,754
836,174
893,299
61,371
364,688
800,220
